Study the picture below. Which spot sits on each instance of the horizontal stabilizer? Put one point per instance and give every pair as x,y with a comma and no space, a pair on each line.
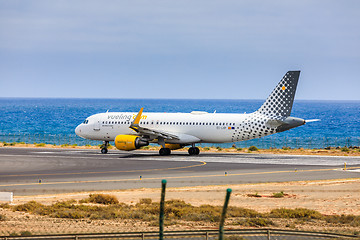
288,123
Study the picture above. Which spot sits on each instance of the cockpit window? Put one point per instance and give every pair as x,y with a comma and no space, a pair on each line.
86,122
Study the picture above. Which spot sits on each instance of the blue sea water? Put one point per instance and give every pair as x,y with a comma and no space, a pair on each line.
54,120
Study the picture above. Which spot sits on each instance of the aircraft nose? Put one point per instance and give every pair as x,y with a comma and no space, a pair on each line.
78,131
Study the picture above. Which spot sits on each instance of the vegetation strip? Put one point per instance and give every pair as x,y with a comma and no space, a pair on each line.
107,207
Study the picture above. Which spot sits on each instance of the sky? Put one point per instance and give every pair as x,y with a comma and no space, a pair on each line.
202,49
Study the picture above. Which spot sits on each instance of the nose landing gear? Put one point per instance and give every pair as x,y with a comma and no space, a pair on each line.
104,147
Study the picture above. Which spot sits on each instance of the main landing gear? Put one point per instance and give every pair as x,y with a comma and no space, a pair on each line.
164,151
104,147
194,151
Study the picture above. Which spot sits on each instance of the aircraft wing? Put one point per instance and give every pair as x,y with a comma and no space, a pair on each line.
147,131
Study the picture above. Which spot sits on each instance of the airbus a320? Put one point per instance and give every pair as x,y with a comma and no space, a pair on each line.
131,130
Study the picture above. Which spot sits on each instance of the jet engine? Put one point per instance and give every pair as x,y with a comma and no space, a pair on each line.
129,142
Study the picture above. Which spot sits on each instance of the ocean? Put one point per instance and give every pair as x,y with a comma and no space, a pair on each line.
54,120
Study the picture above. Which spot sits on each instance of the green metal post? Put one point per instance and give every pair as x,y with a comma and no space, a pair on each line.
162,210
223,215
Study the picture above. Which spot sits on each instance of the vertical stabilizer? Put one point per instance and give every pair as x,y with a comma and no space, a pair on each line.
279,104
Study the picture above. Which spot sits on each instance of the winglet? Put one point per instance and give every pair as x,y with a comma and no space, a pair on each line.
135,124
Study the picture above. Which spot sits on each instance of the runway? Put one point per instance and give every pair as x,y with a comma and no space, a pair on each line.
32,171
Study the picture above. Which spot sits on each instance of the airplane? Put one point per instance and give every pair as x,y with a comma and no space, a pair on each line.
131,131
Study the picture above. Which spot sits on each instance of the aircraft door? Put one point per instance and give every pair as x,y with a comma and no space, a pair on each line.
97,124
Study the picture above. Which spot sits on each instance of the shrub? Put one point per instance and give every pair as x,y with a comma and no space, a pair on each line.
234,238
295,213
254,195
253,148
345,149
145,201
103,199
239,149
25,233
242,212
219,148
255,222
278,195
344,219
103,215
29,206
2,217
69,213
4,205
206,149
40,145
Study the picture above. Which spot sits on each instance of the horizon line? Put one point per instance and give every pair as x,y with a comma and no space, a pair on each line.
92,98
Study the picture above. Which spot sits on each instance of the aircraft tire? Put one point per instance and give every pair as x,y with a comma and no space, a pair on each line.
194,151
197,151
164,151
104,150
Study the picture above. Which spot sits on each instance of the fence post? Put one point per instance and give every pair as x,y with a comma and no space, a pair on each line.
268,234
162,210
223,215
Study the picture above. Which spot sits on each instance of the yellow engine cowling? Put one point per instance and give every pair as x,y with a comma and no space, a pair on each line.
129,142
173,146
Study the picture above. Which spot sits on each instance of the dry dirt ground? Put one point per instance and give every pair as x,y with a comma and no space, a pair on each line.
328,197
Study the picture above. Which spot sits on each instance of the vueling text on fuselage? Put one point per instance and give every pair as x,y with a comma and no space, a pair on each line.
126,117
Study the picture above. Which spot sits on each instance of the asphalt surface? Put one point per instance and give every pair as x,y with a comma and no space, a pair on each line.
31,171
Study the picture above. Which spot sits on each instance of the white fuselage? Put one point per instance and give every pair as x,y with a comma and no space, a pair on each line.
194,127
